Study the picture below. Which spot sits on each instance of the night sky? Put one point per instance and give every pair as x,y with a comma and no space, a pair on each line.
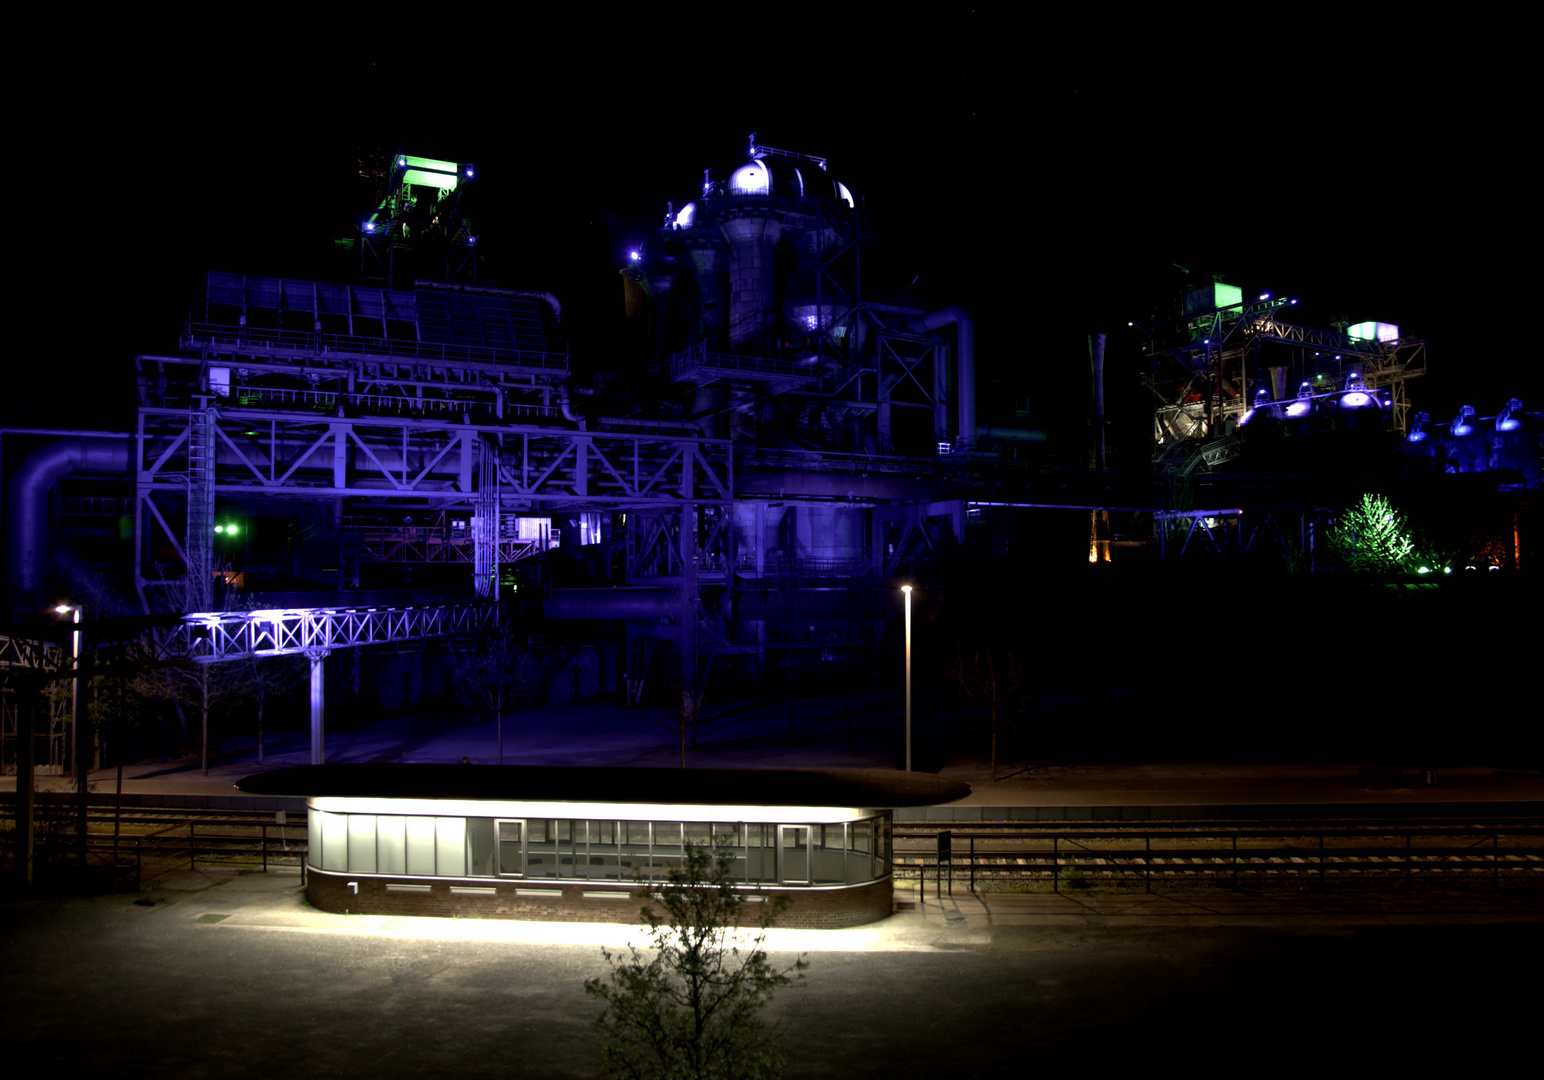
1049,182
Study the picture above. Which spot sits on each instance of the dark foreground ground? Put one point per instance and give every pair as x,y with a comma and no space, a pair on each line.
232,976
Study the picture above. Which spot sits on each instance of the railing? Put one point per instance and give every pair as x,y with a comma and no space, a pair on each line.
811,566
1255,856
94,506
249,339
698,356
141,856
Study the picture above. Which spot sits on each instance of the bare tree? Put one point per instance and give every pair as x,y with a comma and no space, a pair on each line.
201,685
685,694
503,675
993,678
274,675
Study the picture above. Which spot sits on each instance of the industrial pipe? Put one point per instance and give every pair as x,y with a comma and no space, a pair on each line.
965,359
27,499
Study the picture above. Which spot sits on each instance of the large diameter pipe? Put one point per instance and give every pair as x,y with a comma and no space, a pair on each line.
644,603
749,603
27,499
965,360
490,290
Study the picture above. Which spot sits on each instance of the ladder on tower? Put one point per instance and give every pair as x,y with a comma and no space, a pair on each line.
200,534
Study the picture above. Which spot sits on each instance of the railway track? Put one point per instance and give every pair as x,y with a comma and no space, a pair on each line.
1233,853
1503,850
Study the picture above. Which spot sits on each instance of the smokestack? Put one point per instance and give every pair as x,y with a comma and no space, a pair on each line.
1096,363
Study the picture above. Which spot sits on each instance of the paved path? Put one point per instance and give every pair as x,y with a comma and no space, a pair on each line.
604,733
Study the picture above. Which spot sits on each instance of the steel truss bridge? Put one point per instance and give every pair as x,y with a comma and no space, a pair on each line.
220,636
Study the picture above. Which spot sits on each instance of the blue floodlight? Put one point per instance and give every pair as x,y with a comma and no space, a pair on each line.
1356,395
1508,419
1416,434
1461,425
1262,404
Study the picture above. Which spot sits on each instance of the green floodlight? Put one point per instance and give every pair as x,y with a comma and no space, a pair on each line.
429,172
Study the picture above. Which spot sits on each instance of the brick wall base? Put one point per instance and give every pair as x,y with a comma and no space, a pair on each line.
811,909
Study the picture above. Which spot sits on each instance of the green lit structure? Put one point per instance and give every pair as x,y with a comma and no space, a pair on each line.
418,206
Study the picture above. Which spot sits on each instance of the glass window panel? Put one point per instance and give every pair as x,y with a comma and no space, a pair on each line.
541,850
479,847
569,860
314,837
860,865
420,845
450,846
760,852
511,848
635,848
361,843
390,844
732,836
603,854
793,848
334,841
828,859
667,849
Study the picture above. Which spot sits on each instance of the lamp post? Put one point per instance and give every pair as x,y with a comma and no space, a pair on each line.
907,590
73,610
81,747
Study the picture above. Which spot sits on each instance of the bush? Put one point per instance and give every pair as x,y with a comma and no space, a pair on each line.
689,1008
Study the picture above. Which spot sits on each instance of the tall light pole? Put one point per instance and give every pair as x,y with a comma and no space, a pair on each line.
73,610
81,747
907,590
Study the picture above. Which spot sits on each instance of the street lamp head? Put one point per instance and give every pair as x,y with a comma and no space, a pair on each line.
905,588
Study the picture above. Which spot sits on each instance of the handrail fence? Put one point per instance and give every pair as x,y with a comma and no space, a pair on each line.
1121,857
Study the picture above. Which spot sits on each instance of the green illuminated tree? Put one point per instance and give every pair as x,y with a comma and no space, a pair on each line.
1372,537
688,1007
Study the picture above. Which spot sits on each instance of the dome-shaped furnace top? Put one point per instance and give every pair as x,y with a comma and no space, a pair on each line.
752,178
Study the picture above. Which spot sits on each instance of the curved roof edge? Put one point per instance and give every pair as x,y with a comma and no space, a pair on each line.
593,784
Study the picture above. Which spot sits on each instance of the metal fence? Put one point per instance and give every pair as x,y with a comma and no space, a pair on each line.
1264,855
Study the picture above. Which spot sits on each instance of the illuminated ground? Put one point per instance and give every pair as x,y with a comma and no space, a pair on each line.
230,976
